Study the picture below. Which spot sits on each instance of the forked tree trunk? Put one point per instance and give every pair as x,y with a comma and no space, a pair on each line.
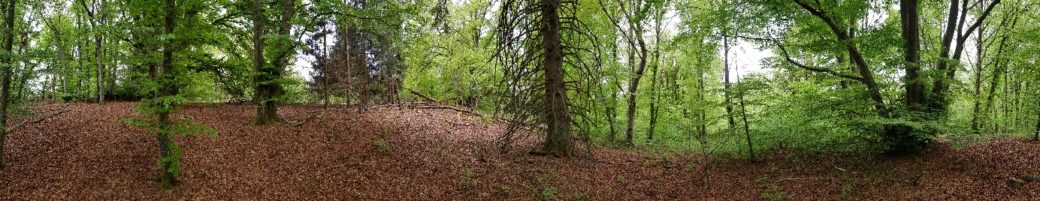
955,21
267,87
558,138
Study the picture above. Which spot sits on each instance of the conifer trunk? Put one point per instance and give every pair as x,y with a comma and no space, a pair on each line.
558,138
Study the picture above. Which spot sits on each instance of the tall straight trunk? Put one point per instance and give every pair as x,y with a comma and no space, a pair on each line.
166,177
92,13
1006,93
325,72
726,82
979,55
653,102
365,81
81,70
654,96
1037,136
23,74
1016,107
558,138
701,113
994,82
611,106
5,80
611,112
348,62
100,66
633,87
999,69
911,54
747,126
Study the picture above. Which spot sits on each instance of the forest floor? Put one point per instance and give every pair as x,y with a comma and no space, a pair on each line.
414,153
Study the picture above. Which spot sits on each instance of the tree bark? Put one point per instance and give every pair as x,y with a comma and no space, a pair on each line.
911,43
5,81
979,57
747,125
726,82
633,87
166,177
267,87
92,13
1037,136
654,96
701,113
558,140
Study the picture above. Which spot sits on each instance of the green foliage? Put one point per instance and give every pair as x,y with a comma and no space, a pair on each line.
547,193
847,191
295,90
774,193
466,179
579,196
503,190
381,146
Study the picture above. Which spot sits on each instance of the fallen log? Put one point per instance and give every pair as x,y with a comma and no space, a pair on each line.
421,95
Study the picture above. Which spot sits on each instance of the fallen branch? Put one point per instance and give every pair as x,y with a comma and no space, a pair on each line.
37,120
305,120
423,96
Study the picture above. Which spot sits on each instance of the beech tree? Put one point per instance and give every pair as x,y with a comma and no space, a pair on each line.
268,76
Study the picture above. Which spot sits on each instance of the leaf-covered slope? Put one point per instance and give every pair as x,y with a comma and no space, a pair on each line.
409,153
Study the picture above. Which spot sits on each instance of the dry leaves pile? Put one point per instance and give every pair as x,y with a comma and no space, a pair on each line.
403,153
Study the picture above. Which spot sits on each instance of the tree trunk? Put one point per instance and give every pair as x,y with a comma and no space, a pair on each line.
701,113
978,86
166,177
747,126
5,81
1035,137
726,82
100,67
325,71
558,138
633,87
911,55
267,88
955,21
654,96
998,70
899,139
24,73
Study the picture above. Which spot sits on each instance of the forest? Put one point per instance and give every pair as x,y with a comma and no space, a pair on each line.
520,99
